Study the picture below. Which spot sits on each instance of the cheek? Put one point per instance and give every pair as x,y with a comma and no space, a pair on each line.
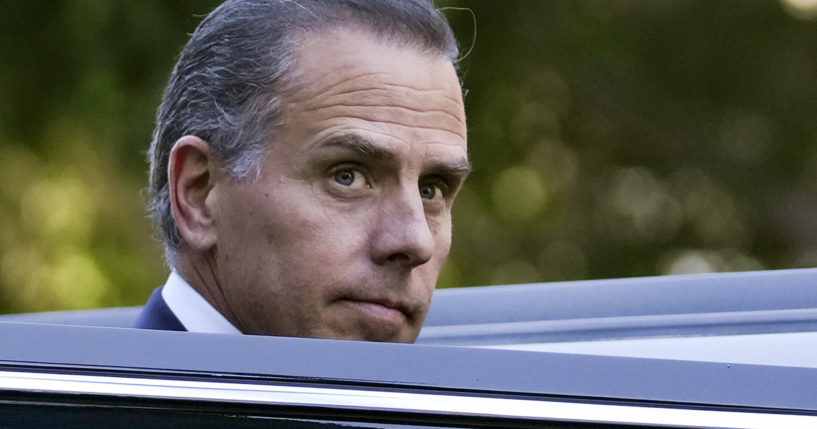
430,271
442,241
317,245
441,229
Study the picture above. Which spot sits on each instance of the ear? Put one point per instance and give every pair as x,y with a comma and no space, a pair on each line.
191,176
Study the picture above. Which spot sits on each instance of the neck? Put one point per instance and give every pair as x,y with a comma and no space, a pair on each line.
201,273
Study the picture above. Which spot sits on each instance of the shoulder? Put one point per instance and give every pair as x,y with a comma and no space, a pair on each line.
157,315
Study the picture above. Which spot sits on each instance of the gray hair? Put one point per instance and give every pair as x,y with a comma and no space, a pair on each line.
226,87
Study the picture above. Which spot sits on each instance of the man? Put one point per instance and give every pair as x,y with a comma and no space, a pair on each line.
305,161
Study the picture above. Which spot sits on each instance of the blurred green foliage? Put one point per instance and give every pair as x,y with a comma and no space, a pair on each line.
609,138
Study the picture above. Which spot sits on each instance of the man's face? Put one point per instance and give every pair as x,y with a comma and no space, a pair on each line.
346,230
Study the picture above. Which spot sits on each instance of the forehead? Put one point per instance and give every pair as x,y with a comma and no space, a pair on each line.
348,78
317,54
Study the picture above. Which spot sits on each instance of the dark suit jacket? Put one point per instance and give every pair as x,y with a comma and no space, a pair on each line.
157,315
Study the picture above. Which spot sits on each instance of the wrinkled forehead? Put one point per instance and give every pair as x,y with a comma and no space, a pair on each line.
359,51
346,75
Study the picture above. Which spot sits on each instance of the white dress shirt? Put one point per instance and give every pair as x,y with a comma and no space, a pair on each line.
195,313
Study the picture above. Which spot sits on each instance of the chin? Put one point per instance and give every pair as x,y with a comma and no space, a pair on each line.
405,338
378,334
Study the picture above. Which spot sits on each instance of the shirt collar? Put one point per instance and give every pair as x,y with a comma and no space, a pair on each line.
195,313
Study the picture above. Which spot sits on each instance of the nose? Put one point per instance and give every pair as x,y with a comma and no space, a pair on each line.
402,234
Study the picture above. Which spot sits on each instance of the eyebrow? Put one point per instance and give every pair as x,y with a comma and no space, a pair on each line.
367,148
360,145
461,167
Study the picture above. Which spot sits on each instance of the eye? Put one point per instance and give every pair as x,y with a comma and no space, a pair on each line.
428,191
350,177
432,189
345,177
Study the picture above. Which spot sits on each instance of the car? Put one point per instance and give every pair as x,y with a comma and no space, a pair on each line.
731,350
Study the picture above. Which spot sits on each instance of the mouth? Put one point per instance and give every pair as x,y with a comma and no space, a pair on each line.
383,312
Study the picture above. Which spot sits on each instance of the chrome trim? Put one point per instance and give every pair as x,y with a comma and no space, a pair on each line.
409,402
624,327
754,349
